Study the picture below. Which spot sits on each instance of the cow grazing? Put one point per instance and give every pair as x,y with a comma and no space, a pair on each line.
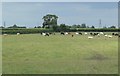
101,33
119,36
47,34
76,33
66,33
90,37
85,33
91,33
98,35
109,36
116,34
95,34
18,33
50,33
80,33
43,34
5,34
105,35
72,35
113,33
62,33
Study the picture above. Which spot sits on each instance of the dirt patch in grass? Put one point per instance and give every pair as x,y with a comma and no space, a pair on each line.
97,57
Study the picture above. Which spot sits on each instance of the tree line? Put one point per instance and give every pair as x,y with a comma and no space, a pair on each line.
50,22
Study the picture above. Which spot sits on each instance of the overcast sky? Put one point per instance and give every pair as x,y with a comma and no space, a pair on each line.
30,13
60,0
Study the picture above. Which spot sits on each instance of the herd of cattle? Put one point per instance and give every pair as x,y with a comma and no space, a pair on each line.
89,34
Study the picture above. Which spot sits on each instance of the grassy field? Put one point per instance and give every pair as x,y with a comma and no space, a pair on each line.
58,54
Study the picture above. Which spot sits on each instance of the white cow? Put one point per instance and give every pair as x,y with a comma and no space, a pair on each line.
43,34
101,33
18,33
66,33
76,33
5,34
98,35
109,36
106,35
85,33
90,37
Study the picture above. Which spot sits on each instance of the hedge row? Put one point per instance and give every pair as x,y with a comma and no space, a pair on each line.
39,30
95,30
24,30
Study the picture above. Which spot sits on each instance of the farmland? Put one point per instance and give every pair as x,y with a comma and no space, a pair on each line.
58,54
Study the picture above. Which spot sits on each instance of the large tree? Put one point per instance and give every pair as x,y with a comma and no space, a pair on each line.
50,20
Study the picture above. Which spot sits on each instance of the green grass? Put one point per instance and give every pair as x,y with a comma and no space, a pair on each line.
58,54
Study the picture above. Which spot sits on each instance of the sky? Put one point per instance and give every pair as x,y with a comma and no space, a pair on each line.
30,13
60,0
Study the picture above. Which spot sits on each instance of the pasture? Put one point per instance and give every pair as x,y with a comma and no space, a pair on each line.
59,54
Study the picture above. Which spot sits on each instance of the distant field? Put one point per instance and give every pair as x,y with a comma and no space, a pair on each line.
58,54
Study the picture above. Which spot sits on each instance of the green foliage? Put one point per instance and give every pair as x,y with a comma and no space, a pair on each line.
83,25
76,26
24,30
62,27
50,20
112,27
1,27
104,27
55,28
92,27
37,27
15,26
